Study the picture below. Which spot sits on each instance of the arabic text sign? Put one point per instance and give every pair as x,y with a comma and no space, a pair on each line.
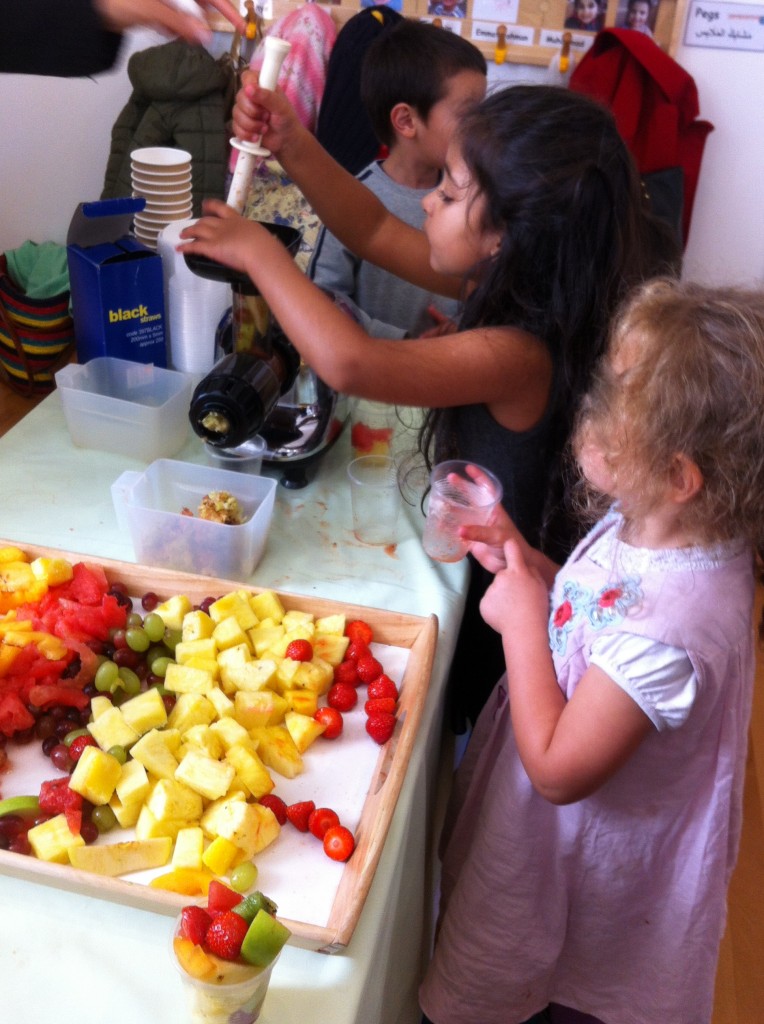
725,26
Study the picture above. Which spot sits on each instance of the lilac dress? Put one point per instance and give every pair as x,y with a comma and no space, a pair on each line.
613,905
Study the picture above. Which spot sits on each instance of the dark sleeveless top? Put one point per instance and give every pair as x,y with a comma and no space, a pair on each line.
522,462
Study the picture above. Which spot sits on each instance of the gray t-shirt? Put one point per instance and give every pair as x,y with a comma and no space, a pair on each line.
394,307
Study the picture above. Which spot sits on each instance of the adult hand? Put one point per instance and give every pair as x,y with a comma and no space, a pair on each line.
118,15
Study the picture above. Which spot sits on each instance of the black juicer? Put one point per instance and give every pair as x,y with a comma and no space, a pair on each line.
260,385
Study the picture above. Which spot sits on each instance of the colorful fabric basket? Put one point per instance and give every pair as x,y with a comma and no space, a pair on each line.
36,337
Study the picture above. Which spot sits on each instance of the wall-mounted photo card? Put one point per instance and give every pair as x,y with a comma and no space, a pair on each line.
447,8
395,5
639,15
586,15
505,11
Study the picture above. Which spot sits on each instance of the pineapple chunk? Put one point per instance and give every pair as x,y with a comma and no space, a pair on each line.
294,617
95,775
305,702
250,770
133,783
175,800
122,858
251,827
147,826
299,632
262,707
278,751
303,729
202,738
174,610
230,732
16,576
220,855
254,675
52,840
205,775
235,605
330,647
316,675
228,633
222,703
98,705
267,605
145,711
285,673
263,637
185,679
334,624
12,554
205,664
126,814
191,709
204,647
153,751
111,730
189,847
52,571
197,625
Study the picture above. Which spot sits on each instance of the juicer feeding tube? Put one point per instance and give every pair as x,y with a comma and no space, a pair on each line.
251,153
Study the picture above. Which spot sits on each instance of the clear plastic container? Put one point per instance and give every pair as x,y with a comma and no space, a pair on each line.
149,506
134,409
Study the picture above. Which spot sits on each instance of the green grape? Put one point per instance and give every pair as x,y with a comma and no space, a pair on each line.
119,753
105,677
154,626
158,666
103,818
243,876
137,639
67,740
131,682
133,620
172,638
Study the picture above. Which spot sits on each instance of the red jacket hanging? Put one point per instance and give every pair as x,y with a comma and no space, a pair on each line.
654,101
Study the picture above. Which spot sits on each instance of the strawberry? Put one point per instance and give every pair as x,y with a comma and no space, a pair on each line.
342,697
368,668
277,805
226,934
299,814
382,686
346,672
194,922
333,720
339,842
356,649
380,726
221,898
321,820
78,744
359,630
375,704
299,650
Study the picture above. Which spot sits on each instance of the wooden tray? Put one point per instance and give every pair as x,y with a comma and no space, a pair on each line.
415,635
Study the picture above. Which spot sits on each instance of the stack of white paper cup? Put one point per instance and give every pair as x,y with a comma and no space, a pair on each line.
161,176
194,306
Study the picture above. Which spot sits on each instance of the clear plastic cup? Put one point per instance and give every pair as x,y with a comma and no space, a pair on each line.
235,996
372,428
461,494
375,499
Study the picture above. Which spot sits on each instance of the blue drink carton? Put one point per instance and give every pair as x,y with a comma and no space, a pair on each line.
117,285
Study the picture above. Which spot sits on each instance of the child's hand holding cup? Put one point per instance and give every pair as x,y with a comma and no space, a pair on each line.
461,494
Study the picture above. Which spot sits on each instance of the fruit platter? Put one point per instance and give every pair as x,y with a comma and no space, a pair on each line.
160,730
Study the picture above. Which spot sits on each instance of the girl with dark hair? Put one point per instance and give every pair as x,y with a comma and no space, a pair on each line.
539,224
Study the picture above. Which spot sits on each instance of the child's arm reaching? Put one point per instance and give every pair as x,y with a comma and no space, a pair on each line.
568,748
347,208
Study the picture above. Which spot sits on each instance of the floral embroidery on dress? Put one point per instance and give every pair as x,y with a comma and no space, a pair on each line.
574,598
612,603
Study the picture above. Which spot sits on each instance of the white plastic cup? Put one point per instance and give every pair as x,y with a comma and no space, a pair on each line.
457,499
375,499
225,1002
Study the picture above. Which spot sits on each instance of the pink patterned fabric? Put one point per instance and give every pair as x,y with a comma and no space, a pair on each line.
312,33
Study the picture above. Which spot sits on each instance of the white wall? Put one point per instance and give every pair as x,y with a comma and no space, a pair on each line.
56,138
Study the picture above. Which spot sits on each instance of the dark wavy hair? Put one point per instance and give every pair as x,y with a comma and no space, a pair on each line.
563,190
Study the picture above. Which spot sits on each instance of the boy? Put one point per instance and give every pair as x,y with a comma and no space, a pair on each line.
416,81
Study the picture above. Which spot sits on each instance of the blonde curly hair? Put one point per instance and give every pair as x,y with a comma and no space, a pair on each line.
694,385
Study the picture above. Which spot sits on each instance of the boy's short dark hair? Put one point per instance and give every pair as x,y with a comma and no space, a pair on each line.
411,64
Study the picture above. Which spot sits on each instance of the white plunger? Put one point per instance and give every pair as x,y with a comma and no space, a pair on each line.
251,153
